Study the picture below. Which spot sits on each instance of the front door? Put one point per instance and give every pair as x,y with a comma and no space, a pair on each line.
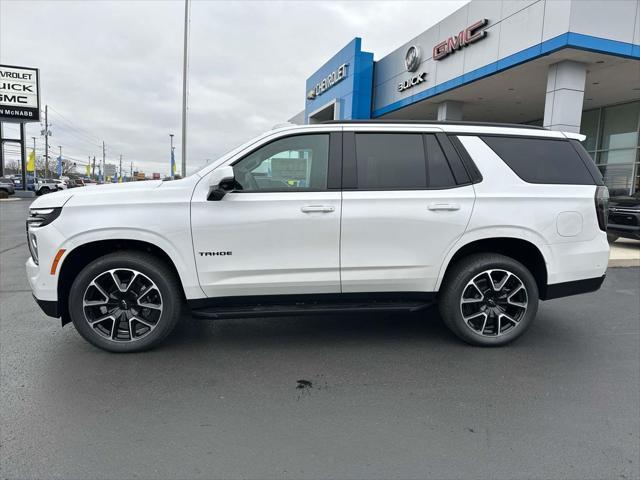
278,232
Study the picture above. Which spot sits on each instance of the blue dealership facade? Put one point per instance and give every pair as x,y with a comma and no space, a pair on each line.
571,65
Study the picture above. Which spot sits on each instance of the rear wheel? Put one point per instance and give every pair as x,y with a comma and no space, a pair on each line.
488,299
125,302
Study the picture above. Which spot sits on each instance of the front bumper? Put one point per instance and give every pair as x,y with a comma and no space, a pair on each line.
624,222
626,231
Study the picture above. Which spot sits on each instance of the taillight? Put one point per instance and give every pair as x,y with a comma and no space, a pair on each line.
602,206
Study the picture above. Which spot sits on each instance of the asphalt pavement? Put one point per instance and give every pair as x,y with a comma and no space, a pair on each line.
367,396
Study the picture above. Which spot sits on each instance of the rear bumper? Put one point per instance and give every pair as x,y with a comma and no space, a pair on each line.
49,307
566,289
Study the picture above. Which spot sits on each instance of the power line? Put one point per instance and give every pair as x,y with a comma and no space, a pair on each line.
76,127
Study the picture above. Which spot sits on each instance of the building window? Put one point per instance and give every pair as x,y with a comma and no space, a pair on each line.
613,141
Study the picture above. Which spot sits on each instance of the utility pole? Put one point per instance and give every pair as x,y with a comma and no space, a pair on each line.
93,171
131,173
61,162
103,164
172,157
120,174
46,141
185,68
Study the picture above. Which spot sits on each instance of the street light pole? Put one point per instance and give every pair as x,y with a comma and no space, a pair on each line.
104,177
185,68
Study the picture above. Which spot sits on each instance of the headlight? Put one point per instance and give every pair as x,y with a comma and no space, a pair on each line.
39,217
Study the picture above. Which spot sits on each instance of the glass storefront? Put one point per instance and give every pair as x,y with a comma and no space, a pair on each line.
613,141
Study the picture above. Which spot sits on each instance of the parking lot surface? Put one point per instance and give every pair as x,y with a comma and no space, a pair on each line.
368,396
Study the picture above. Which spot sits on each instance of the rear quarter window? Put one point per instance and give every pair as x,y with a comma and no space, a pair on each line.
541,160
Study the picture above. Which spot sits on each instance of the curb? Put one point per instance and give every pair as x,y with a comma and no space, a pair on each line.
10,199
624,262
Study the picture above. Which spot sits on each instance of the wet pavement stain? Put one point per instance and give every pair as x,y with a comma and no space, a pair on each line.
304,388
302,384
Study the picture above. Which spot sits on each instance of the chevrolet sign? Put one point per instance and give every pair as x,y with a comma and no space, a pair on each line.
326,83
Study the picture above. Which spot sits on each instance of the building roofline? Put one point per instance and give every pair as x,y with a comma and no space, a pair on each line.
433,122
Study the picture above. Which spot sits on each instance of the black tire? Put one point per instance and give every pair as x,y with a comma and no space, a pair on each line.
43,191
154,269
457,280
612,237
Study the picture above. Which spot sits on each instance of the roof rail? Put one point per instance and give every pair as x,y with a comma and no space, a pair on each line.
440,122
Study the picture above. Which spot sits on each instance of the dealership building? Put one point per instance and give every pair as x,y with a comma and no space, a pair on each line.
571,65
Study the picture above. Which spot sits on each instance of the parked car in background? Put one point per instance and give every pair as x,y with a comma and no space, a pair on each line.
485,220
40,186
624,217
7,185
59,183
17,182
79,182
43,186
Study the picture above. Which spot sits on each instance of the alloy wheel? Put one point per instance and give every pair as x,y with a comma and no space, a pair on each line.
122,305
493,302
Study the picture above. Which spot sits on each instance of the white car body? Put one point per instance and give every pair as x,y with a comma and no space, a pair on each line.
363,241
60,184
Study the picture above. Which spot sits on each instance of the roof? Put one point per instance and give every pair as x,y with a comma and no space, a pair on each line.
437,122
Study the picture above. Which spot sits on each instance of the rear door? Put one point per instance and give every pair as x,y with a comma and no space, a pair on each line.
405,203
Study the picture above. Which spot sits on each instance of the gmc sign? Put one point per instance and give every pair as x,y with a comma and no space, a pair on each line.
469,35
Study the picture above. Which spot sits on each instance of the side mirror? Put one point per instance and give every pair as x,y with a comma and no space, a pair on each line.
222,179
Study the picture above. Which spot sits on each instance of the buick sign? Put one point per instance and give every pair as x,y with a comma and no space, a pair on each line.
412,62
412,58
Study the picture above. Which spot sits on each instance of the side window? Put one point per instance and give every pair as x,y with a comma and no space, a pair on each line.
440,175
540,160
390,161
288,164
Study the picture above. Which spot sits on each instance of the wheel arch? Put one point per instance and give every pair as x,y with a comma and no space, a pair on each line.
76,259
524,251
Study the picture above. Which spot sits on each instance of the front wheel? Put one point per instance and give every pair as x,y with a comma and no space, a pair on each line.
125,302
43,191
612,237
488,299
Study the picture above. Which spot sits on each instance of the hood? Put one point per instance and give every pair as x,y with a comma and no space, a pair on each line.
58,199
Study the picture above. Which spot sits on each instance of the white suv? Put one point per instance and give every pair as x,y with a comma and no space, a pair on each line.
337,217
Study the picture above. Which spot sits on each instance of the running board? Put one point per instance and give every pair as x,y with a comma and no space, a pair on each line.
311,308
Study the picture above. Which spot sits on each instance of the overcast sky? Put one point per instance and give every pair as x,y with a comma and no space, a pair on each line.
112,70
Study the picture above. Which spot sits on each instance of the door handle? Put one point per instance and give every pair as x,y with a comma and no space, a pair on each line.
317,208
444,206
